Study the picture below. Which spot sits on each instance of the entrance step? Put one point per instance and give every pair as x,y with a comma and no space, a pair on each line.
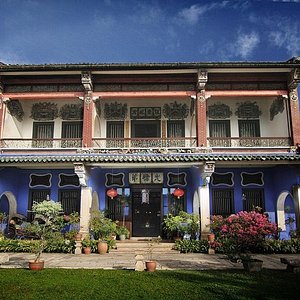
142,245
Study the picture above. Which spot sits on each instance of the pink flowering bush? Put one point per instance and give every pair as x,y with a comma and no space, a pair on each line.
242,232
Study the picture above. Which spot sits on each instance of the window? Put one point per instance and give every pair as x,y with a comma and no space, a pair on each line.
172,204
115,134
71,134
253,198
36,196
248,129
219,130
176,129
70,200
42,134
222,202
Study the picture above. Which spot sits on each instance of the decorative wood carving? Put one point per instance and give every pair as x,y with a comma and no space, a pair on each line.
71,112
219,111
115,111
145,113
248,110
44,111
202,79
276,107
175,111
15,109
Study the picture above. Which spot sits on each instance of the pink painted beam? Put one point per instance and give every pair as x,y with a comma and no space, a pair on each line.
245,93
144,94
55,95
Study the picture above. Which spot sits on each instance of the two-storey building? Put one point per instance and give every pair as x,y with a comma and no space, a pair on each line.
208,138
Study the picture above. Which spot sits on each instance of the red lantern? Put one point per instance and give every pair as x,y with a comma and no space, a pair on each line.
178,193
112,193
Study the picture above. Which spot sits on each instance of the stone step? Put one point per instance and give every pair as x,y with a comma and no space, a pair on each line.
132,246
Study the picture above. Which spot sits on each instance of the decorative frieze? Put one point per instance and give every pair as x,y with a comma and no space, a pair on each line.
15,109
277,107
51,88
248,110
68,180
114,179
145,113
115,111
71,112
40,180
175,111
44,111
175,179
219,111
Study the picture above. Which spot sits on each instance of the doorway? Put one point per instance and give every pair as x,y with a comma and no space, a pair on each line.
146,211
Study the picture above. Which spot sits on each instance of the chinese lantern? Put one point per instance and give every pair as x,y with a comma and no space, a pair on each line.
112,193
178,193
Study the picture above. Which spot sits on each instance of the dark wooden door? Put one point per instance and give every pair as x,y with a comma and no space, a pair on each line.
146,213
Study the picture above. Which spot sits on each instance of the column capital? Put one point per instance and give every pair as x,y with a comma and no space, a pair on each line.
80,171
207,170
202,79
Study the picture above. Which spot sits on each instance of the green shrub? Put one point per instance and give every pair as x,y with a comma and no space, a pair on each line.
192,246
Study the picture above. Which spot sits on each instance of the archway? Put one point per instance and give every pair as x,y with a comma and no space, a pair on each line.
281,200
12,203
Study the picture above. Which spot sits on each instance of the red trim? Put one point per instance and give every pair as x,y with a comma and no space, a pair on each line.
55,95
246,93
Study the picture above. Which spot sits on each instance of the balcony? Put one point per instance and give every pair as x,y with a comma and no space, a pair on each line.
236,142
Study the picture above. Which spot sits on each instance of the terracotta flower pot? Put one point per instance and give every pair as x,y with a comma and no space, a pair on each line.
78,236
151,265
102,247
211,237
87,250
36,265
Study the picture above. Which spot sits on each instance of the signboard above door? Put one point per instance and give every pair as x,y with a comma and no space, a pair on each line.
146,178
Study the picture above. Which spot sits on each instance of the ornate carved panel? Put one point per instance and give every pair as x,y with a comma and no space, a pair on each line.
114,179
222,179
40,180
68,180
71,112
115,111
219,111
15,109
276,107
248,110
175,111
145,113
17,88
44,88
44,111
252,178
176,179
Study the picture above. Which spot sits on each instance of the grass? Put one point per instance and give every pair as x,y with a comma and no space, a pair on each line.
121,284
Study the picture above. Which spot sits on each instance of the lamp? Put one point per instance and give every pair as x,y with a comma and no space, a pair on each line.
112,193
178,193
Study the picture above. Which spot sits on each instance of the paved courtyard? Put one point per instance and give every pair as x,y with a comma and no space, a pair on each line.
115,260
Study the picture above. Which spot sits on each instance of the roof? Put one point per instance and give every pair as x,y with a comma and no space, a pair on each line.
294,62
148,158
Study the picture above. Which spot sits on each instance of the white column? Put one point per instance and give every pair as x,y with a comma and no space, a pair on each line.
86,198
204,210
296,196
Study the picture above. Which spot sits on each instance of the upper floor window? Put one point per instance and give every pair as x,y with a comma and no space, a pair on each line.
176,129
249,128
219,129
115,132
71,131
42,134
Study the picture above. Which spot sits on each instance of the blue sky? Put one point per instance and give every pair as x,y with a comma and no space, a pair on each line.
90,31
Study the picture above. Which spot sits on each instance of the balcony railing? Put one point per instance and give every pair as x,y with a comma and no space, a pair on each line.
249,142
17,143
147,143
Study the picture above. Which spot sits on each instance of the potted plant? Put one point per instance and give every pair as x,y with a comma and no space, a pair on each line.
122,232
46,220
87,244
102,229
151,264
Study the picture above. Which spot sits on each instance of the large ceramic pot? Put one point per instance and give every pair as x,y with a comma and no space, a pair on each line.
36,265
102,247
211,237
151,265
252,265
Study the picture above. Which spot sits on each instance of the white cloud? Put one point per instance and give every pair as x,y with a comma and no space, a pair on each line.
242,47
192,14
286,34
246,43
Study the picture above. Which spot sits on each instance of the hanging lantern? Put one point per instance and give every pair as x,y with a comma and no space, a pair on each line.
178,193
112,193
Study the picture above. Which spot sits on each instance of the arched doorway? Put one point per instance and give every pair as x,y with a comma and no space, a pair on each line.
286,205
8,203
